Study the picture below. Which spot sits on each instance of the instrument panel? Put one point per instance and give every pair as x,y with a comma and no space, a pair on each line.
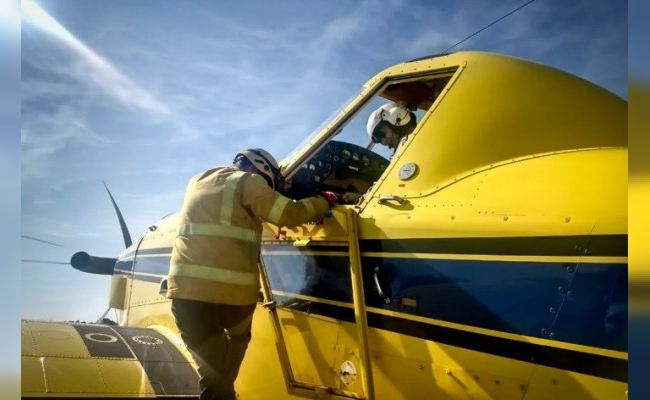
339,167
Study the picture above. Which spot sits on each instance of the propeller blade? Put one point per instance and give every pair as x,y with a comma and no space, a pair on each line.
45,262
40,240
125,230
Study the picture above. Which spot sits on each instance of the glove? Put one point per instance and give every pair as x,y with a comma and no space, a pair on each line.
330,197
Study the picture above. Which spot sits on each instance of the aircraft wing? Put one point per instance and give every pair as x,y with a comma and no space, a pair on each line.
66,360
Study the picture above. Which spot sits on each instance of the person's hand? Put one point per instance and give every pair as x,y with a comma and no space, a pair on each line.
350,197
331,197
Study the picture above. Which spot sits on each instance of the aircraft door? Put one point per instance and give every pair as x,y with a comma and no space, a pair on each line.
313,290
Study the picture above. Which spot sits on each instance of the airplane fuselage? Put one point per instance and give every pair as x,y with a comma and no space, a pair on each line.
487,259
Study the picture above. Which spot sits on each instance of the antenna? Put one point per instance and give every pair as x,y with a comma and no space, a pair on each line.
489,25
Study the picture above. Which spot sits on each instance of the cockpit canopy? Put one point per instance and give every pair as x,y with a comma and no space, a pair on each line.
473,110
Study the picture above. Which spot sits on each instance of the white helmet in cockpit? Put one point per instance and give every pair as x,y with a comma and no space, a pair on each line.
390,123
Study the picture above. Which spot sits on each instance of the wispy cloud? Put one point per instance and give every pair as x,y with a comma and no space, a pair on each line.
60,100
45,134
99,70
257,63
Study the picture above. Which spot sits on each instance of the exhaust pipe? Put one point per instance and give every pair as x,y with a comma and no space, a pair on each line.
84,262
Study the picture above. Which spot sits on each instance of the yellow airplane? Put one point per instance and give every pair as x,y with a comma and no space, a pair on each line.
486,260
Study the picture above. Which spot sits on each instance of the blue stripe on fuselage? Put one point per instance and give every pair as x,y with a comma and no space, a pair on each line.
584,304
567,302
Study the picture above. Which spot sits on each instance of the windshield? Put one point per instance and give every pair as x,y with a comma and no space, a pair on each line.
313,134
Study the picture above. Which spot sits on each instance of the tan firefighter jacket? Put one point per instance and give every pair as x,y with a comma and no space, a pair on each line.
214,256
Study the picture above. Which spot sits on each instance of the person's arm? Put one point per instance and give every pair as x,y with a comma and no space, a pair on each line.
273,207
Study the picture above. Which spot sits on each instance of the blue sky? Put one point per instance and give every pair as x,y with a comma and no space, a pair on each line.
144,94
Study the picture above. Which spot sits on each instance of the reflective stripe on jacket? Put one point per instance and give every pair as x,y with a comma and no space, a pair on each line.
214,256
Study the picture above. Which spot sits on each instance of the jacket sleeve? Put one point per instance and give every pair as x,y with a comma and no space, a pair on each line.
277,209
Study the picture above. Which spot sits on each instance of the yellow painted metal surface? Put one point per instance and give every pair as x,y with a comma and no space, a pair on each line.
117,296
551,384
310,341
541,202
487,118
55,362
487,203
48,339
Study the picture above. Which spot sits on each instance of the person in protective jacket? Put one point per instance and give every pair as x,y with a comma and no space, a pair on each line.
213,276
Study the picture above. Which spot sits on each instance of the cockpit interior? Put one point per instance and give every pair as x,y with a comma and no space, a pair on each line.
338,167
349,161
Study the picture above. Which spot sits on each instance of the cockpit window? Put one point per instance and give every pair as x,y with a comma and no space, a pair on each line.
344,158
316,131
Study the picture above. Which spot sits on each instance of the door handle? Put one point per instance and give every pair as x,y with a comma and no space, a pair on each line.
383,295
383,198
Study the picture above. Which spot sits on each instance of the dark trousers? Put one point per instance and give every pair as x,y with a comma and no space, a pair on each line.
217,335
